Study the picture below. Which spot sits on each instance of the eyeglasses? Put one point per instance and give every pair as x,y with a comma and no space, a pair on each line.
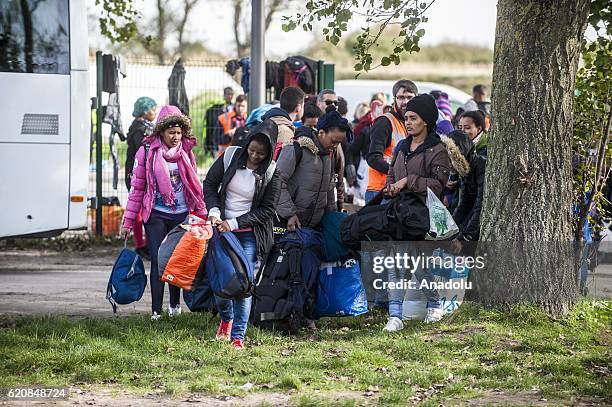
331,102
403,98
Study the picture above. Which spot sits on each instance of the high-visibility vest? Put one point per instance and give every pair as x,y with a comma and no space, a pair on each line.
377,179
225,120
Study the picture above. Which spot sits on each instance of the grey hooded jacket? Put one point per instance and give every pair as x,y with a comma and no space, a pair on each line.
307,179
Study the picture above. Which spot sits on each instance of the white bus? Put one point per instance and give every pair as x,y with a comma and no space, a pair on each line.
44,117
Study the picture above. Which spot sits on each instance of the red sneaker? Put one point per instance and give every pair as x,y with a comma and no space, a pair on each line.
223,332
237,344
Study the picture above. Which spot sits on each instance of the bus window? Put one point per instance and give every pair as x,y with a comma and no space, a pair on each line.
34,36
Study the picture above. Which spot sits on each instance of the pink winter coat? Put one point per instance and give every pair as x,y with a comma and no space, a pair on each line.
142,191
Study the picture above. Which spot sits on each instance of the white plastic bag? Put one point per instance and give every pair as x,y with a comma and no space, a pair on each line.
441,223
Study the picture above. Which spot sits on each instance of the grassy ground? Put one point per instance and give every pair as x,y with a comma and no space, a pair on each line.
477,352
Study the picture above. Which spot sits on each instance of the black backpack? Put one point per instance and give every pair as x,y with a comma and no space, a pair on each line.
404,217
285,290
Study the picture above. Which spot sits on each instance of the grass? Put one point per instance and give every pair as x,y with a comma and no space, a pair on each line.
478,351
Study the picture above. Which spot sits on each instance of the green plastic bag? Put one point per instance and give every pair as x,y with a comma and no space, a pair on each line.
442,226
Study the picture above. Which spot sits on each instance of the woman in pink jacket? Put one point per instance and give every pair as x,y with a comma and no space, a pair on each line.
165,188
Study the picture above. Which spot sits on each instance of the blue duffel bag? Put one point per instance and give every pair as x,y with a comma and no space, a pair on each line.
227,267
127,281
340,291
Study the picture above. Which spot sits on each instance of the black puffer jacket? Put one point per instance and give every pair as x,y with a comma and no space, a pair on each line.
266,195
470,166
139,129
467,214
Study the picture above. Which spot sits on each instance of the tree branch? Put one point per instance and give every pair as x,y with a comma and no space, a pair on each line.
187,7
273,8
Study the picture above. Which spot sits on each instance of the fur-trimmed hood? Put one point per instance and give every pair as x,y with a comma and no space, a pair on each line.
305,137
458,161
171,114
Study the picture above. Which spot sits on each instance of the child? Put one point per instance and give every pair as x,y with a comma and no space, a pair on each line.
165,188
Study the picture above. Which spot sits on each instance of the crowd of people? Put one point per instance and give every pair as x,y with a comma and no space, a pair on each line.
297,161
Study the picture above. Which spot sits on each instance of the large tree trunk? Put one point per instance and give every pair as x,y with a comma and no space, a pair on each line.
526,222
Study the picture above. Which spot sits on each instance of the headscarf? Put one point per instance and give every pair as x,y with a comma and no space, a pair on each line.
142,105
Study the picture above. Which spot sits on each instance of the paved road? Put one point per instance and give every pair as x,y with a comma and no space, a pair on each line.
74,283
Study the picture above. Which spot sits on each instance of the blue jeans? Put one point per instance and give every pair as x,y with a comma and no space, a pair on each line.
239,310
396,297
369,195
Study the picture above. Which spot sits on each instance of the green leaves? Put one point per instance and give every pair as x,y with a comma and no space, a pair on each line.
118,20
592,105
380,16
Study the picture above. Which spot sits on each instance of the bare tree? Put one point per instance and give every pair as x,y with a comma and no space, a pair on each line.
166,22
243,41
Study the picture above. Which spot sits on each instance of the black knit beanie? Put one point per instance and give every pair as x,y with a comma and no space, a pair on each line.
425,106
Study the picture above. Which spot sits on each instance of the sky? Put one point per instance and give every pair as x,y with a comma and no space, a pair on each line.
464,21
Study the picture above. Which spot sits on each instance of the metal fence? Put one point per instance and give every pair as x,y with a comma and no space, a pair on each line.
204,83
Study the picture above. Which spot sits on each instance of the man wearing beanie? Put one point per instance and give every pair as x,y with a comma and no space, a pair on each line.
307,172
386,132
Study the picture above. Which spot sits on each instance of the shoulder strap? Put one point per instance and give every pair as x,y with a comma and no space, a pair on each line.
298,152
228,155
269,173
146,146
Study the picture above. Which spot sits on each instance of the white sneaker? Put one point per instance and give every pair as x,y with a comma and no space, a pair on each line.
173,312
155,316
394,324
433,315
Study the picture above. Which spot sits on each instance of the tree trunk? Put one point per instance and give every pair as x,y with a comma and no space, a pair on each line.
160,51
187,7
526,218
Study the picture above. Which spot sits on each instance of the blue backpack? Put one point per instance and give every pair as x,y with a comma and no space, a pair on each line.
127,281
332,244
200,299
229,271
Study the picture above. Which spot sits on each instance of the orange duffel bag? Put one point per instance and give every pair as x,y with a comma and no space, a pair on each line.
181,253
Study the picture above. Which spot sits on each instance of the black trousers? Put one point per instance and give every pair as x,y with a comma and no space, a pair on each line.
156,228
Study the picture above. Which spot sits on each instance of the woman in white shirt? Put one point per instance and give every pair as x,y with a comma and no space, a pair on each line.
241,189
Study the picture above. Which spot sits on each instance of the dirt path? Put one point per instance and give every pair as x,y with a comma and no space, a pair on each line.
111,396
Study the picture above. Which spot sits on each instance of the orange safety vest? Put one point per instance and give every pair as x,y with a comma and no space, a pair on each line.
225,120
377,179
